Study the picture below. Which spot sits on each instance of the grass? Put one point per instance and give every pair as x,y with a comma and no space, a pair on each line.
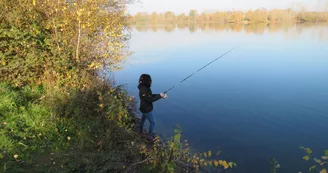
49,130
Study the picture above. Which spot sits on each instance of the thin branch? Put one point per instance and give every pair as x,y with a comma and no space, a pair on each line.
78,41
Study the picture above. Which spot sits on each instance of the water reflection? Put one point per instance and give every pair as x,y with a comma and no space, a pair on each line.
295,29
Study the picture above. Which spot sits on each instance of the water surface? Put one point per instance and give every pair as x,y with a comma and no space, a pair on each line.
263,100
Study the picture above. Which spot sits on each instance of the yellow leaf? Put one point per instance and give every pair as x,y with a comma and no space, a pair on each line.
323,171
68,138
4,63
16,156
34,3
205,155
225,165
209,153
205,164
220,162
171,145
216,163
196,162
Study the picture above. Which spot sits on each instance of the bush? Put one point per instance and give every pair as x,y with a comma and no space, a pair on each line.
36,131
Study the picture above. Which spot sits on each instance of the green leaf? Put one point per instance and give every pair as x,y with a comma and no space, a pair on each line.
317,160
326,152
306,157
324,157
230,164
312,167
309,151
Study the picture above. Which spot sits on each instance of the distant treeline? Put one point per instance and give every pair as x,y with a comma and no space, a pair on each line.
251,16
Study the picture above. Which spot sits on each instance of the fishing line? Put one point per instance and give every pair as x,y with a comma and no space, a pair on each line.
200,69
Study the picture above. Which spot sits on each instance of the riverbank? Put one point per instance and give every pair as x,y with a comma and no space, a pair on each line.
44,130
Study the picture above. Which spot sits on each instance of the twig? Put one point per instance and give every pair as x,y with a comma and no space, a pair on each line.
78,41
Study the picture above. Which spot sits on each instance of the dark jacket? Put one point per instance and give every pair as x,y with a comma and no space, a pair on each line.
147,98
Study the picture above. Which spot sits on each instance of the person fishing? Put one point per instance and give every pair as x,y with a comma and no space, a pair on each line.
146,104
147,98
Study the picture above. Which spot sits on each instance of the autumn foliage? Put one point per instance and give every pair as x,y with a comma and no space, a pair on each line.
60,41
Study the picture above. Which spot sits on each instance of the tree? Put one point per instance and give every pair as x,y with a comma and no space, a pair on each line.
193,15
170,16
60,42
218,17
236,17
154,17
249,15
204,17
280,15
182,18
141,17
259,15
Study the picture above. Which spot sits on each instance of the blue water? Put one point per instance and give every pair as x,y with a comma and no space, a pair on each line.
265,99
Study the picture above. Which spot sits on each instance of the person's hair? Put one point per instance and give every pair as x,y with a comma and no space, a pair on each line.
145,79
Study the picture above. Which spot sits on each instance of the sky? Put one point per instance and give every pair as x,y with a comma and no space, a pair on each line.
184,6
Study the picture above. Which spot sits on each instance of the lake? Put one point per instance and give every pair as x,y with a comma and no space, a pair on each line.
265,99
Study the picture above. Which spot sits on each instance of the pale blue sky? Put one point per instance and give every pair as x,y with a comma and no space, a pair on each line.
179,6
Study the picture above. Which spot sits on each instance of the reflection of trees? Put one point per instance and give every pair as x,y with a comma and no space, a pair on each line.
169,28
257,28
219,26
154,28
236,27
182,25
201,26
275,27
141,28
192,27
322,35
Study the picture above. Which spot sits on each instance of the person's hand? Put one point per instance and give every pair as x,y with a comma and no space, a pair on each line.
164,96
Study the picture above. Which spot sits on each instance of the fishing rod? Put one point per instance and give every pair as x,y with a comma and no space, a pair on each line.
199,70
